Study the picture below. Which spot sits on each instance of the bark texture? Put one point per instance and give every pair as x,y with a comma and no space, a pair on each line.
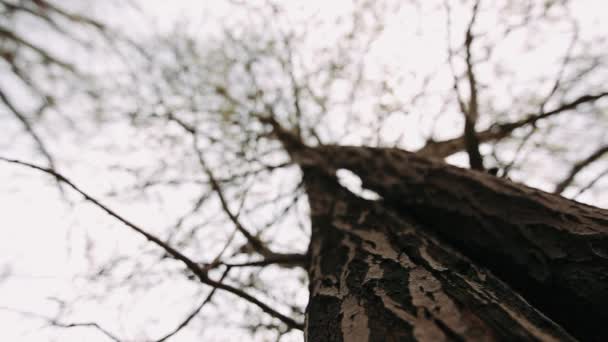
552,250
375,275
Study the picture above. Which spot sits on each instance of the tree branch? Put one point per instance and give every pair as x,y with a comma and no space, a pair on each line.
592,183
543,245
45,55
280,259
191,265
198,309
56,323
445,148
254,241
471,113
28,128
578,167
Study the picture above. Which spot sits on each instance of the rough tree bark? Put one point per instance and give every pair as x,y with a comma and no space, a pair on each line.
412,266
551,250
377,276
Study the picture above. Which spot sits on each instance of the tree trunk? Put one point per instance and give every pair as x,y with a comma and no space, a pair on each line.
375,275
551,250
370,271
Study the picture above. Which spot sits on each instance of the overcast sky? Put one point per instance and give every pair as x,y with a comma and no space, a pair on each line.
44,240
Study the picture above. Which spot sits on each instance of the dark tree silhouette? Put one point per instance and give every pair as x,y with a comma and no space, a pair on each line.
246,135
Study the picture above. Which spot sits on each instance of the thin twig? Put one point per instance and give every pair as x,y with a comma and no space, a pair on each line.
44,54
196,311
578,167
445,148
29,128
191,265
591,184
56,323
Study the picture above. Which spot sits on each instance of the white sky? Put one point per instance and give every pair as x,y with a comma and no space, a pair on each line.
44,245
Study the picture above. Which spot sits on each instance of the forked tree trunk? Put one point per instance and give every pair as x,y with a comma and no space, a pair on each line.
377,276
377,271
551,250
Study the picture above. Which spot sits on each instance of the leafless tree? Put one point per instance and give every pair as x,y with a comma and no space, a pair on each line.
293,146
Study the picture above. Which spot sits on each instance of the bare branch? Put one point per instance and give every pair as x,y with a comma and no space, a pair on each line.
196,311
69,15
56,323
592,183
29,129
472,112
44,54
578,167
296,90
445,148
455,77
285,260
191,265
566,61
85,325
38,13
255,242
516,155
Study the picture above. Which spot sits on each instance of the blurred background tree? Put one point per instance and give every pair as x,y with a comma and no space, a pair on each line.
155,111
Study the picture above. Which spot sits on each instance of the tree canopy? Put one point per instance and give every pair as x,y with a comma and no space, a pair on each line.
161,122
